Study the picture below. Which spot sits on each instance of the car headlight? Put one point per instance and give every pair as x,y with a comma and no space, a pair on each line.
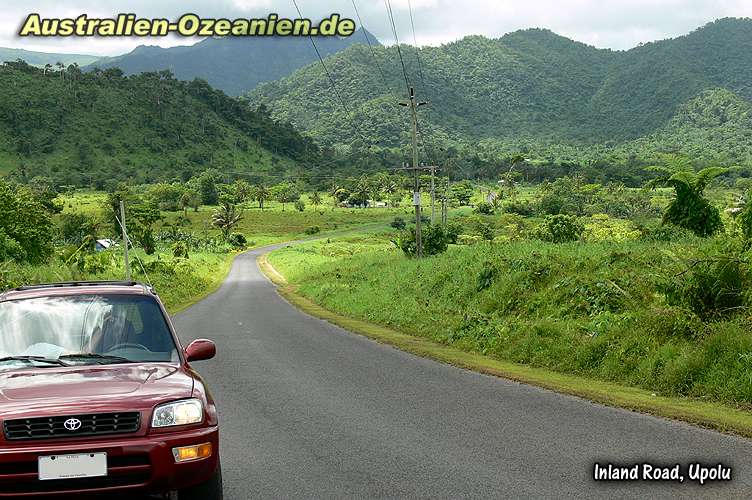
186,411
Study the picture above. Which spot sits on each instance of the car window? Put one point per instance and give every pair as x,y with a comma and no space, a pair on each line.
128,326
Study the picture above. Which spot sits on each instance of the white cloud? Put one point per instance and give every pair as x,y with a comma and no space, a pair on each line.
617,24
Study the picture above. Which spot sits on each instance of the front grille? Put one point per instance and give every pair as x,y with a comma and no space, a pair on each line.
54,427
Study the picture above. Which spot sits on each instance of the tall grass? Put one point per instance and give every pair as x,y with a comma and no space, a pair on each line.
595,309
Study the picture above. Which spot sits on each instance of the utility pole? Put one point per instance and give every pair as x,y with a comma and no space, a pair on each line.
413,105
125,241
444,202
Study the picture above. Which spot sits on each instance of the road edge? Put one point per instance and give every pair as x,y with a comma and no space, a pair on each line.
704,414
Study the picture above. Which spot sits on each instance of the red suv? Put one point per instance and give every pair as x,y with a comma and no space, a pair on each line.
97,396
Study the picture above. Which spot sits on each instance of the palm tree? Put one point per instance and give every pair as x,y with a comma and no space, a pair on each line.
225,218
689,209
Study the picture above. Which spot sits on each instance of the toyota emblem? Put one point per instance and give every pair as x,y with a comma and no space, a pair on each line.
72,424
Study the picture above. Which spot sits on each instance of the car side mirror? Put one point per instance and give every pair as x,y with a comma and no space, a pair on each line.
200,349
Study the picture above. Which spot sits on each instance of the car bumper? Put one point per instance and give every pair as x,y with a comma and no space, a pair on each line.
134,465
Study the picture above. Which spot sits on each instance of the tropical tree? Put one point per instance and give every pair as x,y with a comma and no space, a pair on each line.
689,209
262,194
315,199
242,190
225,218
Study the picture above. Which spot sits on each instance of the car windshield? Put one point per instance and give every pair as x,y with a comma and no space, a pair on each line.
83,329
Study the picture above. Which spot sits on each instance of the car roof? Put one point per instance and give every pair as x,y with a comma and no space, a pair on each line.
78,288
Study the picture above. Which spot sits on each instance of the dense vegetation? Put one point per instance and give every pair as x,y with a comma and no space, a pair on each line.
93,129
560,102
645,288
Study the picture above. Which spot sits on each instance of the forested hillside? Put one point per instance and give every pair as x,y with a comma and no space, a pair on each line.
533,87
99,127
232,64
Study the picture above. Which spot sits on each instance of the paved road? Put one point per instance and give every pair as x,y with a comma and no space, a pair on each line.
309,410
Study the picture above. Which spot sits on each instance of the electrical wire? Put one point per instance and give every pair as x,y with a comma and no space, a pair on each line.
331,78
390,14
370,46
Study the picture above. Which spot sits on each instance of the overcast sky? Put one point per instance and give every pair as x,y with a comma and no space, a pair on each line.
616,24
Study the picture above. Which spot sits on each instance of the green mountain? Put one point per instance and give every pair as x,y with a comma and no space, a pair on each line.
100,127
528,86
41,58
233,64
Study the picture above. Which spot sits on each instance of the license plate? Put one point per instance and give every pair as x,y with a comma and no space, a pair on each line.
72,466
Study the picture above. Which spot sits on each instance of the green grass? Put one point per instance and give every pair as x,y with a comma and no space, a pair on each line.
179,286
261,227
708,414
588,309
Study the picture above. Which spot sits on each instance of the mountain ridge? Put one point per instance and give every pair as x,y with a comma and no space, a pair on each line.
528,83
232,64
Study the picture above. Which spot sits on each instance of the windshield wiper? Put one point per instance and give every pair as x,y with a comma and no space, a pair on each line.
102,358
39,359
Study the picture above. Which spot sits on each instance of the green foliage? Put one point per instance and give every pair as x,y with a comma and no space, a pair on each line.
690,209
484,208
225,218
74,227
398,223
434,240
568,106
462,192
599,310
299,205
711,288
312,230
100,127
140,222
237,240
180,249
560,229
519,207
25,226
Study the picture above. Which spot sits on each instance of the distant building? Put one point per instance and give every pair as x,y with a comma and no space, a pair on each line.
105,244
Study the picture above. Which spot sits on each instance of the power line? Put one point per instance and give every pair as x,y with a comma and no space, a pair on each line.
415,43
331,78
390,14
370,46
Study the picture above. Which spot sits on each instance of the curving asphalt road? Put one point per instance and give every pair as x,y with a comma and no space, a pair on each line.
309,410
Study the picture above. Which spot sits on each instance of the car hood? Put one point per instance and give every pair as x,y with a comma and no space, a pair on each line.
91,389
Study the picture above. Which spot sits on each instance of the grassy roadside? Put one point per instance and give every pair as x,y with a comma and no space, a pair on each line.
706,414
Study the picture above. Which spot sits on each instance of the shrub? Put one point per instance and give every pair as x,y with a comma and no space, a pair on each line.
312,230
525,209
237,240
665,232
433,237
180,249
484,208
560,229
75,227
711,288
468,239
299,205
398,223
486,276
10,249
453,229
483,227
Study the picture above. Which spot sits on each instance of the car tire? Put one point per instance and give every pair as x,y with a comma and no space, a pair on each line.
209,490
